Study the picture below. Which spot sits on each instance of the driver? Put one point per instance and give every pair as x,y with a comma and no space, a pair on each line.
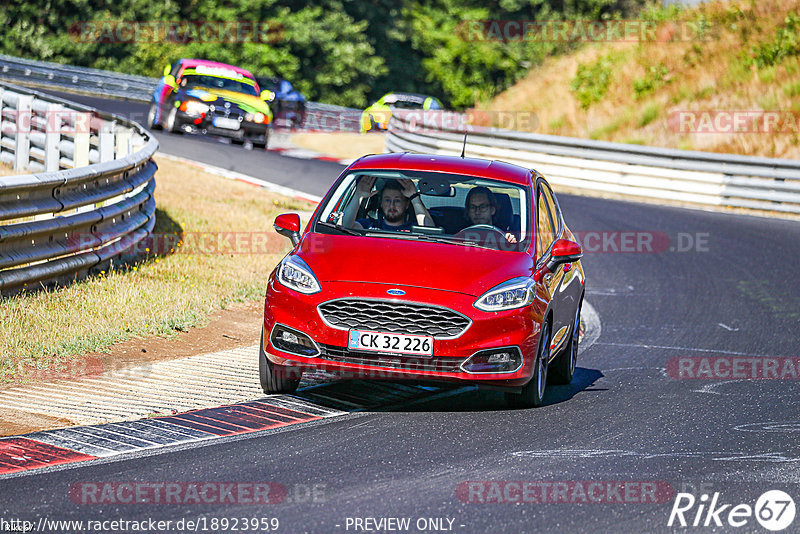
481,207
396,197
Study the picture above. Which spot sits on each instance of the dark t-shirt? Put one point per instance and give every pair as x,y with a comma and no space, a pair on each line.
370,223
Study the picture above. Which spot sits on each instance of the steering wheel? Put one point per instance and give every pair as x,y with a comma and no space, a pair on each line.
480,227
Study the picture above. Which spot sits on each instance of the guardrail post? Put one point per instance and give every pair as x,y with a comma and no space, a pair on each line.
23,131
83,131
124,142
106,141
52,137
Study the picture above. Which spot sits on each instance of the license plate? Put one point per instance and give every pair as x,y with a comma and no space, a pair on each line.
224,122
391,343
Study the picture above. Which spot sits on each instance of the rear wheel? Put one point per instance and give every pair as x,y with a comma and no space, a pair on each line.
564,365
276,378
532,394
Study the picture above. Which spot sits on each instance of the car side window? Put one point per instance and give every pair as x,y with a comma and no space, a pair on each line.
552,208
176,69
544,225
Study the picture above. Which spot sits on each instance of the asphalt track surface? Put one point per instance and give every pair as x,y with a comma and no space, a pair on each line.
625,417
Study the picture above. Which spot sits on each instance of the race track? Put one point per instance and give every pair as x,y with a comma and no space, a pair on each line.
629,416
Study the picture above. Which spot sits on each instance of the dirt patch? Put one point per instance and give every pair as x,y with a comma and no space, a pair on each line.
342,145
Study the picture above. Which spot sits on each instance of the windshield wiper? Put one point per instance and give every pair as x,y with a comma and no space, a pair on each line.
449,241
344,230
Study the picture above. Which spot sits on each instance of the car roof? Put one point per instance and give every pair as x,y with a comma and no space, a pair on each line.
191,63
479,168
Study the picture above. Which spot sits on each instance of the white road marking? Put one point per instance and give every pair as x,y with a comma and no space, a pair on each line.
728,328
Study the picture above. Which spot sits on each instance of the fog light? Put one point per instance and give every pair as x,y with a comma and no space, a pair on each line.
501,360
293,342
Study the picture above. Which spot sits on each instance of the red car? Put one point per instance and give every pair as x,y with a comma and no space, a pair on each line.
432,269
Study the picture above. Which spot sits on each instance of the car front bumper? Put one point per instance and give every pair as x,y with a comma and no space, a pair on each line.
513,329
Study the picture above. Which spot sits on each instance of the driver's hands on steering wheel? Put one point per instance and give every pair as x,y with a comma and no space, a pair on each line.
511,238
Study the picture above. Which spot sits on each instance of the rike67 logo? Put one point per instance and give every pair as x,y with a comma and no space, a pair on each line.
774,510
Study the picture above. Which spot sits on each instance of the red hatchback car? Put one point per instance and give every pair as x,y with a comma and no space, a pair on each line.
432,269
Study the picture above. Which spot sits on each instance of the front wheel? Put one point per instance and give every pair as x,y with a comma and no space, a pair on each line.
276,378
172,119
532,394
151,117
564,364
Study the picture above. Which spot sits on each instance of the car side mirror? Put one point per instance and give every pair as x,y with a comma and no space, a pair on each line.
288,225
167,69
563,251
267,95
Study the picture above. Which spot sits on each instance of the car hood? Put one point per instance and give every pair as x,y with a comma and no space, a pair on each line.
457,268
248,103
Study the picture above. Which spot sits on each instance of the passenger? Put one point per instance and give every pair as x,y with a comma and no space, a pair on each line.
480,208
396,197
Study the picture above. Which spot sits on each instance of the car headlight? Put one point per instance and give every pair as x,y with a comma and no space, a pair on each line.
255,117
514,293
194,107
295,274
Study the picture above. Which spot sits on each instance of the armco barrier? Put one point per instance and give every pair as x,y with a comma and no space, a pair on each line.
93,199
326,117
632,170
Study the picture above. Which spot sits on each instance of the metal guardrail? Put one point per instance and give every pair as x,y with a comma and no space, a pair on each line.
81,79
659,173
92,202
319,117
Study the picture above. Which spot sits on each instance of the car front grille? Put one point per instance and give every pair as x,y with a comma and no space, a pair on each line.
334,353
394,316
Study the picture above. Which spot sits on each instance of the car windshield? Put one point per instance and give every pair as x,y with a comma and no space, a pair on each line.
448,208
217,82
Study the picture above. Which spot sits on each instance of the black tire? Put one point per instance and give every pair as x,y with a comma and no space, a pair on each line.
563,367
275,378
170,125
151,117
262,143
532,394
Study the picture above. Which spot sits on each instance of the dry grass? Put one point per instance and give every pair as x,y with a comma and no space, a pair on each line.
161,294
701,75
341,145
5,170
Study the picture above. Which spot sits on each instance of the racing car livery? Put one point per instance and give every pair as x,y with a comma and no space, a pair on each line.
199,96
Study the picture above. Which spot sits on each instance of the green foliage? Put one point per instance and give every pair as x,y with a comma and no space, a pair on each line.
785,44
336,51
591,81
649,114
655,77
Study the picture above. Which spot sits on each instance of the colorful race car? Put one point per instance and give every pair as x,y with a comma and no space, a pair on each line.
376,116
199,96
